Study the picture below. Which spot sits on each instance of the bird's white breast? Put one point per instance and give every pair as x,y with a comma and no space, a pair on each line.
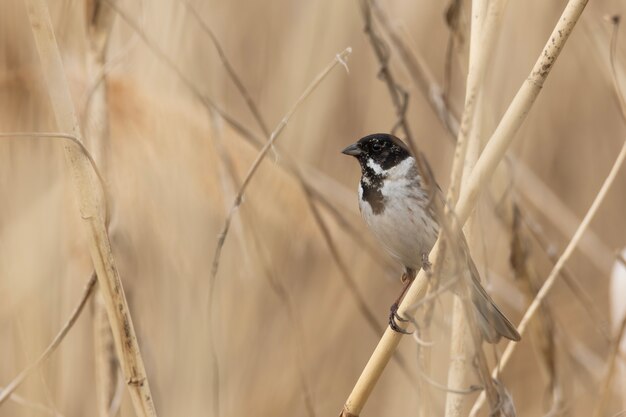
403,227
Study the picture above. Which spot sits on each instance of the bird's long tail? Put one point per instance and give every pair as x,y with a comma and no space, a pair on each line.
492,322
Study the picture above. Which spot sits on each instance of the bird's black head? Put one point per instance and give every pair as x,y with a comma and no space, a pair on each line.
384,150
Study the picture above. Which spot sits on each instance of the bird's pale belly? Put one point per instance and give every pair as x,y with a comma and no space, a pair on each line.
403,227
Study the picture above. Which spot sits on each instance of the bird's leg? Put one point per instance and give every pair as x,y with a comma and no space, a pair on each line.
407,278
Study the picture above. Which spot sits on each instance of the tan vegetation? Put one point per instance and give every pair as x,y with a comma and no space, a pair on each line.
287,322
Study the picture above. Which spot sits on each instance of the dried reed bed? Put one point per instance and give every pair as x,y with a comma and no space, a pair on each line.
168,204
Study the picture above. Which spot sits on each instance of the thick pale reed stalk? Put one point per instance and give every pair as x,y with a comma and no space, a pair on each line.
481,45
486,18
92,209
519,107
491,157
99,20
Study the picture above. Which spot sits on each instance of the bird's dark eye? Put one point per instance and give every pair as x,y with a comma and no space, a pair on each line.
377,147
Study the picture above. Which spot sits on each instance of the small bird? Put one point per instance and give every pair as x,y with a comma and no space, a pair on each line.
397,209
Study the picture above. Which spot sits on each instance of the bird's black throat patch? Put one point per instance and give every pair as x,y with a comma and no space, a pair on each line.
372,194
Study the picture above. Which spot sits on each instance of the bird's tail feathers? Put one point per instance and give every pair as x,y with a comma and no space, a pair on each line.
492,322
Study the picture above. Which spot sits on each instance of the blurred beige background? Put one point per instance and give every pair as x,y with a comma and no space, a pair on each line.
170,196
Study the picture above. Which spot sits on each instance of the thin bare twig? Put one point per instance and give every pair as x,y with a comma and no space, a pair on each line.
339,58
205,100
399,95
15,383
255,165
276,285
229,68
280,290
18,399
543,335
593,312
470,390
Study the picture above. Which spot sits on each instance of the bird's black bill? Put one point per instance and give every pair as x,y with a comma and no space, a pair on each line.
352,150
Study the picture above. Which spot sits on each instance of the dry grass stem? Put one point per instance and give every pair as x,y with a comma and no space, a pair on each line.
490,158
339,59
573,283
99,21
108,380
227,169
486,17
202,98
419,72
15,383
19,400
540,196
92,210
542,331
268,145
232,74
